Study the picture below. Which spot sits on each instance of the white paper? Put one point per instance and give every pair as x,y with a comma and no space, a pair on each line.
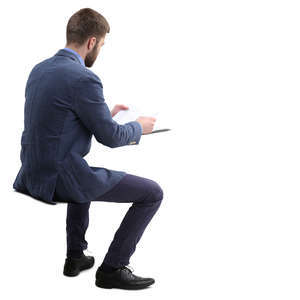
133,112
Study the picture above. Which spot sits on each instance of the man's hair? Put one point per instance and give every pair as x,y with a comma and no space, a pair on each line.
86,23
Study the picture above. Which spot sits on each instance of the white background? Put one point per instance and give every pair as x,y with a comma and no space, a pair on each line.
226,73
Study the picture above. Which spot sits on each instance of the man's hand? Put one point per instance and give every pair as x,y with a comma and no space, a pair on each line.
147,124
117,108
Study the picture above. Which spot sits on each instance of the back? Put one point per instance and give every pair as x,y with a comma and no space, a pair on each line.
64,107
48,108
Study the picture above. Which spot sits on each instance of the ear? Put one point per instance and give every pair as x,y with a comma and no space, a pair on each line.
91,43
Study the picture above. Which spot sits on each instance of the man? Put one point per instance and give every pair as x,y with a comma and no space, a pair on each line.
64,107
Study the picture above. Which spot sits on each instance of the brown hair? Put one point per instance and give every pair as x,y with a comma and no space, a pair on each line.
84,24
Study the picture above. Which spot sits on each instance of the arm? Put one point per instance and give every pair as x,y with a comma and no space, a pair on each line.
91,108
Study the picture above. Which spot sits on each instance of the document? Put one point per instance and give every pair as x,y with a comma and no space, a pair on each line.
133,112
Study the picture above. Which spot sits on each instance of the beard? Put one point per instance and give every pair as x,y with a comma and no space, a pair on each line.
91,57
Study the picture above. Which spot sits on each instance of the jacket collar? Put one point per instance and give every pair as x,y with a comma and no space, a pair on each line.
63,52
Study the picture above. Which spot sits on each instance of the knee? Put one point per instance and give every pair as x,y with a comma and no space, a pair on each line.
157,191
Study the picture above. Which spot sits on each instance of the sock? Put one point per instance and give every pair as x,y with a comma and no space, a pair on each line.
107,268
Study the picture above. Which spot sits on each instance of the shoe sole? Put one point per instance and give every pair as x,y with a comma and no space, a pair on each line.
131,287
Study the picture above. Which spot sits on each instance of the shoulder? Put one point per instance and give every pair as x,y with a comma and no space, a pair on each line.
39,66
89,86
89,77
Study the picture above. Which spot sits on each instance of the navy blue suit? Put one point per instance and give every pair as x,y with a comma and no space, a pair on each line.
64,107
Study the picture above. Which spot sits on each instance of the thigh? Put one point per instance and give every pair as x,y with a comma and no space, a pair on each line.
131,188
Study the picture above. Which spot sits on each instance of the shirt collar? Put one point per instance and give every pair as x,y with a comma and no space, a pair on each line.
77,54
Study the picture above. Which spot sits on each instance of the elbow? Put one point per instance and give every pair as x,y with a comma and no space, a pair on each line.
112,144
107,141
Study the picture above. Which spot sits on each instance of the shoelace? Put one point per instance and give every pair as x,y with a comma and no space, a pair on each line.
88,251
128,268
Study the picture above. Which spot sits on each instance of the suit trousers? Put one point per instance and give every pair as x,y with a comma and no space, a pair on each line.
146,196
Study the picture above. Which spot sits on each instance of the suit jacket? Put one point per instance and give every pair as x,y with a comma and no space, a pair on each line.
64,107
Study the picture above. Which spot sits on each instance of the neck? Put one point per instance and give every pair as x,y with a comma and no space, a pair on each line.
79,50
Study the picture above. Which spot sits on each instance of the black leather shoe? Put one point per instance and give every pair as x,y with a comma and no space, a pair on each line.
73,266
122,278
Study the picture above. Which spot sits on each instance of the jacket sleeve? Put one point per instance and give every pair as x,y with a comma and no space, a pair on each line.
92,110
